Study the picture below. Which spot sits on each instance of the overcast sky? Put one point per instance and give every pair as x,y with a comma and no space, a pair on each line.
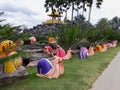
32,12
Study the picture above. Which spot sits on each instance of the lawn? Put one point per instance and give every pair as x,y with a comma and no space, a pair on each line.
79,74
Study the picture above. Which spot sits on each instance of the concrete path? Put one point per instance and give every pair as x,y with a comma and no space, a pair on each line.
110,78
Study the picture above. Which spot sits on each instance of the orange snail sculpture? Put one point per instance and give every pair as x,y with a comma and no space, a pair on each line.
51,40
98,48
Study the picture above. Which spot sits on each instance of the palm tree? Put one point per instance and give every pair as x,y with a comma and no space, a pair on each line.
69,36
7,31
50,4
90,2
98,3
72,11
83,6
64,5
12,57
71,3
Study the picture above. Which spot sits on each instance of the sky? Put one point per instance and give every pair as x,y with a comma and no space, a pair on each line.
32,12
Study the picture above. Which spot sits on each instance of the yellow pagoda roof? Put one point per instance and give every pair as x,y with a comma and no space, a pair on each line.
55,14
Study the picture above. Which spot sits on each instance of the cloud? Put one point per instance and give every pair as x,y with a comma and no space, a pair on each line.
108,9
15,9
17,14
21,18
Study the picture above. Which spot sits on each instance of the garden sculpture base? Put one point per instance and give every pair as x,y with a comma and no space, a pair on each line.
8,78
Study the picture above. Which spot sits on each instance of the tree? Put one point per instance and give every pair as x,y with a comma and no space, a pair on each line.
83,6
103,24
90,2
64,5
79,20
98,3
115,22
79,6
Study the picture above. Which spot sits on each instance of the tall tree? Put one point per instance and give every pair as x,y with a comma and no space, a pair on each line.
90,2
64,5
115,22
72,11
98,3
80,20
83,6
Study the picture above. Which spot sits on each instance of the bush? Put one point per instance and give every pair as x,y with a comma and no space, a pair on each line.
69,36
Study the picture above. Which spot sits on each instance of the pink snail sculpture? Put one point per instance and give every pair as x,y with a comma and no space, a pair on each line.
32,39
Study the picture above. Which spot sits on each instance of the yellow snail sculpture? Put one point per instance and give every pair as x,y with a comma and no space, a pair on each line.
7,48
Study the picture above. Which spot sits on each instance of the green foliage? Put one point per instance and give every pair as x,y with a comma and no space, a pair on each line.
6,32
115,23
103,32
95,36
26,38
12,57
79,20
69,37
111,35
41,38
104,36
103,24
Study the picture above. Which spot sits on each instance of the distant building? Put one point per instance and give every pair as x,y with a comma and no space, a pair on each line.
55,18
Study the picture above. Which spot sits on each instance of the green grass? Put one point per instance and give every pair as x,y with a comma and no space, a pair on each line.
79,74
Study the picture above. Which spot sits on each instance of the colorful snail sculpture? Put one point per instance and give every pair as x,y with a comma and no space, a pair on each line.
112,44
84,52
50,70
32,39
98,48
68,55
13,64
8,48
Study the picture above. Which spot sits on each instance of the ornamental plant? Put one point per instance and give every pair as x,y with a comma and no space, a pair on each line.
69,36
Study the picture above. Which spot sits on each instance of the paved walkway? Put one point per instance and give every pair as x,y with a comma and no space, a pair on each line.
110,78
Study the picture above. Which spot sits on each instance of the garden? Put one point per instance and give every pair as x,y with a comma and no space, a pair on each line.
92,48
78,75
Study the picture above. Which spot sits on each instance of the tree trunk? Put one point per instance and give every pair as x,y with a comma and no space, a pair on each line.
89,15
72,13
83,9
